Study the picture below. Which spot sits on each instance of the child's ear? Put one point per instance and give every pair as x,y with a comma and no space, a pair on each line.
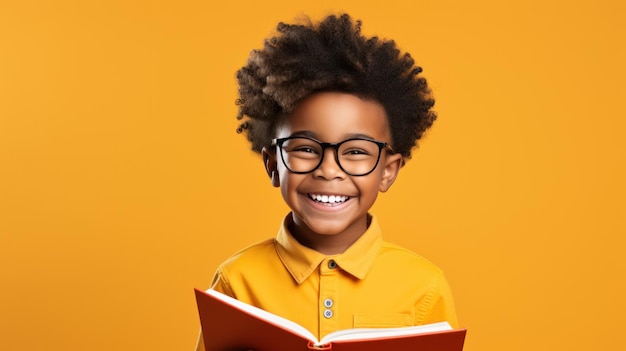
269,160
392,165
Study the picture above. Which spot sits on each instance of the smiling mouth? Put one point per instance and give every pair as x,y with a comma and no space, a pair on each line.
328,199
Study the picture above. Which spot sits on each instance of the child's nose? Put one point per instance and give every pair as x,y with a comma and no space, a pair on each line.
329,169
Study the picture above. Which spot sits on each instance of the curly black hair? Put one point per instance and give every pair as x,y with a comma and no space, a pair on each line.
332,56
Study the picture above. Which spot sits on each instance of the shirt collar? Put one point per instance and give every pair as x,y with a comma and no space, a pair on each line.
301,261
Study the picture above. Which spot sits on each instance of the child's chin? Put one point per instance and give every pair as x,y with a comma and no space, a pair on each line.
330,227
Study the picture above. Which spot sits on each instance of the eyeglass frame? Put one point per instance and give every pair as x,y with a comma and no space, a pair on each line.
381,145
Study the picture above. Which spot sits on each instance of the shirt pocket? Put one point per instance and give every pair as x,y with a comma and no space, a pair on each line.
383,320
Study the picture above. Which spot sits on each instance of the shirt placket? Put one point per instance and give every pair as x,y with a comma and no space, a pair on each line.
328,297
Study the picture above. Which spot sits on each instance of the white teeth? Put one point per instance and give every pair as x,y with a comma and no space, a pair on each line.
329,199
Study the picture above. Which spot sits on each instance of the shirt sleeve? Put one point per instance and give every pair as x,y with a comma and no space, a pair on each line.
220,283
442,305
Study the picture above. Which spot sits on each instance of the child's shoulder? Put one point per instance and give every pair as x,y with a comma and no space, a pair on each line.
252,254
402,256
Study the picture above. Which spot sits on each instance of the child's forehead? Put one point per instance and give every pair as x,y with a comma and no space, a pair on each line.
335,116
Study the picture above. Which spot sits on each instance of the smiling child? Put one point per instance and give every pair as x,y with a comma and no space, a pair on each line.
335,116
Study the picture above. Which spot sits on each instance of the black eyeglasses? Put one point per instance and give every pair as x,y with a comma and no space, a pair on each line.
355,156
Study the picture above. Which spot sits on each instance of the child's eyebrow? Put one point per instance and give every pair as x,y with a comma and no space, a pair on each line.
312,135
305,133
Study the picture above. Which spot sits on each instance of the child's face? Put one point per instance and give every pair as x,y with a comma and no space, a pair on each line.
333,117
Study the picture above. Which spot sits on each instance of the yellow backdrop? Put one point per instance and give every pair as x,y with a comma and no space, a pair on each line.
123,183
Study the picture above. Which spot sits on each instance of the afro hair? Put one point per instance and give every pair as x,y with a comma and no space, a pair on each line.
332,56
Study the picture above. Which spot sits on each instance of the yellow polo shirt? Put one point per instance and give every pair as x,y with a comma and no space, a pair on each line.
372,284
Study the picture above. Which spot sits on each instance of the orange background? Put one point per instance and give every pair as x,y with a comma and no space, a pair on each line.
123,183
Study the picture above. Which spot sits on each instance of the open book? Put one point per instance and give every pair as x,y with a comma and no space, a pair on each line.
229,324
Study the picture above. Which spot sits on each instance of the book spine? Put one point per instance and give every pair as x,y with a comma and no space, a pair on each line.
326,347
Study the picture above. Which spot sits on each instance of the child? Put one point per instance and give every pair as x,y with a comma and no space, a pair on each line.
334,116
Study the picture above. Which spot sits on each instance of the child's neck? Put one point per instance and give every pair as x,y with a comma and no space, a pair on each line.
327,244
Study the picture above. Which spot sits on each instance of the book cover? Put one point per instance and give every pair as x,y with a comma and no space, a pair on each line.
232,325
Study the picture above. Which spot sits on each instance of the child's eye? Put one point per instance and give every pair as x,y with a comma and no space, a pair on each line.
305,149
356,152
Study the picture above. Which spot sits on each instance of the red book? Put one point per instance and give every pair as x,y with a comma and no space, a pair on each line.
231,325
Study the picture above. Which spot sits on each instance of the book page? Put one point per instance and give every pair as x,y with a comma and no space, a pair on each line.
373,333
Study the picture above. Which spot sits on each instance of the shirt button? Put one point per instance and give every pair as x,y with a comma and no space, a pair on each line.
328,303
328,313
332,264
